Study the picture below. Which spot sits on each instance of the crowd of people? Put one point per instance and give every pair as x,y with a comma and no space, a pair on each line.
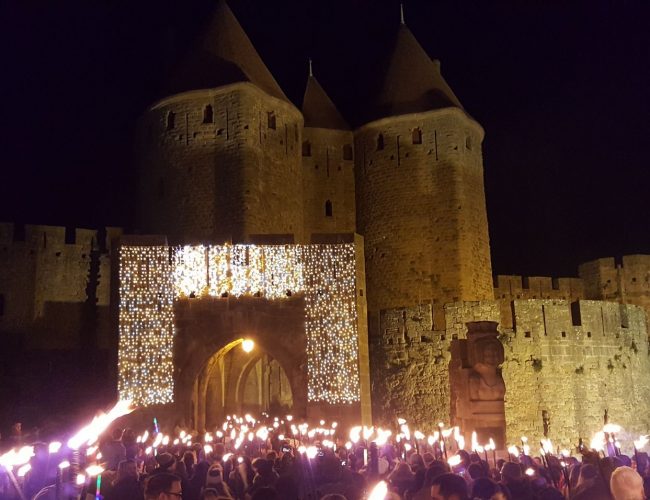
278,469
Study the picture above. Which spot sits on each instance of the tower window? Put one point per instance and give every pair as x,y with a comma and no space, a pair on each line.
328,208
468,142
171,120
2,305
208,115
380,142
347,152
417,136
270,118
306,148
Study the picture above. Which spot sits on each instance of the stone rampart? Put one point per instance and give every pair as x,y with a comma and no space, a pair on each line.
47,274
627,282
575,363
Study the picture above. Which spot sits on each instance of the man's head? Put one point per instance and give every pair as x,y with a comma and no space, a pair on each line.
626,484
116,434
163,486
448,487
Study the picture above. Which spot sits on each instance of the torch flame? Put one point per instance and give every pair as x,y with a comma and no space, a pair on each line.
90,433
641,442
379,491
454,461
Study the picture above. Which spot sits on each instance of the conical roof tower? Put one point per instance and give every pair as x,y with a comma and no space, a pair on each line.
223,55
318,109
411,81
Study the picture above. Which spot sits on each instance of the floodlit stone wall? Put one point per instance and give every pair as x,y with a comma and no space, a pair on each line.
575,364
328,176
226,174
409,360
508,288
628,282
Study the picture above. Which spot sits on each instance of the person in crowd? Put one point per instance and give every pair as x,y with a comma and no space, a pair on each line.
113,450
126,485
449,486
626,484
163,486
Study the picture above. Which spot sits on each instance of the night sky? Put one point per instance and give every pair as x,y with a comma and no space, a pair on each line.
562,92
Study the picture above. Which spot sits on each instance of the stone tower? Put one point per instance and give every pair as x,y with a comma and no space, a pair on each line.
220,156
419,189
328,164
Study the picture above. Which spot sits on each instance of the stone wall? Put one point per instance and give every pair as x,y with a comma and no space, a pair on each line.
45,281
328,176
409,360
421,209
628,283
575,365
230,173
509,288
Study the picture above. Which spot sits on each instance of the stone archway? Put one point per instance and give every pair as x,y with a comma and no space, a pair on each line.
211,369
234,381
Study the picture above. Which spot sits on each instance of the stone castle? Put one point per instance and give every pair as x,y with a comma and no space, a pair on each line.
226,157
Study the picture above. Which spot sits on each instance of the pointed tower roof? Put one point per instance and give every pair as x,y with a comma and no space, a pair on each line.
318,109
224,55
412,81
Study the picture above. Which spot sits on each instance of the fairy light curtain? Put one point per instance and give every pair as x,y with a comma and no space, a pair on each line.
151,279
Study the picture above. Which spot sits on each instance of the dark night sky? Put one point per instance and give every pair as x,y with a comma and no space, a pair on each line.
562,93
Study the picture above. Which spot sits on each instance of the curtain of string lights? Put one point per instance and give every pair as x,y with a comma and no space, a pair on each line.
152,278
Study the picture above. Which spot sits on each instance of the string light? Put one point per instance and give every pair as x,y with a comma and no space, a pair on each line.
146,325
151,279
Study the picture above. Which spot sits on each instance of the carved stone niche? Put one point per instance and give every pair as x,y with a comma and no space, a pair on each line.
477,388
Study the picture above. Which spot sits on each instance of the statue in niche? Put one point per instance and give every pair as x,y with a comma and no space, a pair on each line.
477,389
485,380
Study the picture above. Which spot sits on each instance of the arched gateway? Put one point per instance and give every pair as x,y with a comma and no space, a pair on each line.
185,311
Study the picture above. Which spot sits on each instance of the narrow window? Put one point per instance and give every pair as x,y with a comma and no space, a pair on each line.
271,119
328,208
417,136
208,116
171,119
380,142
70,235
306,148
19,232
468,142
2,305
347,152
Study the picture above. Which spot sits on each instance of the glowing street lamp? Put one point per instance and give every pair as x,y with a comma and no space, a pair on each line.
247,345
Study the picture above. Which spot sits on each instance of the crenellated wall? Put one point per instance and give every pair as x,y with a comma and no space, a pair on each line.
509,288
47,274
628,282
575,363
226,174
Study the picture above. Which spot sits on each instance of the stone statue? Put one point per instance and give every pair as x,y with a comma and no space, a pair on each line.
485,380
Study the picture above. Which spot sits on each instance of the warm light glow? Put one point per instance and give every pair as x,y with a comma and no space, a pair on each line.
24,470
530,471
640,443
379,492
81,479
54,447
64,465
454,461
247,345
94,470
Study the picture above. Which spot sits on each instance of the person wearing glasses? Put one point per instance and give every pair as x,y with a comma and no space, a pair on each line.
163,486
